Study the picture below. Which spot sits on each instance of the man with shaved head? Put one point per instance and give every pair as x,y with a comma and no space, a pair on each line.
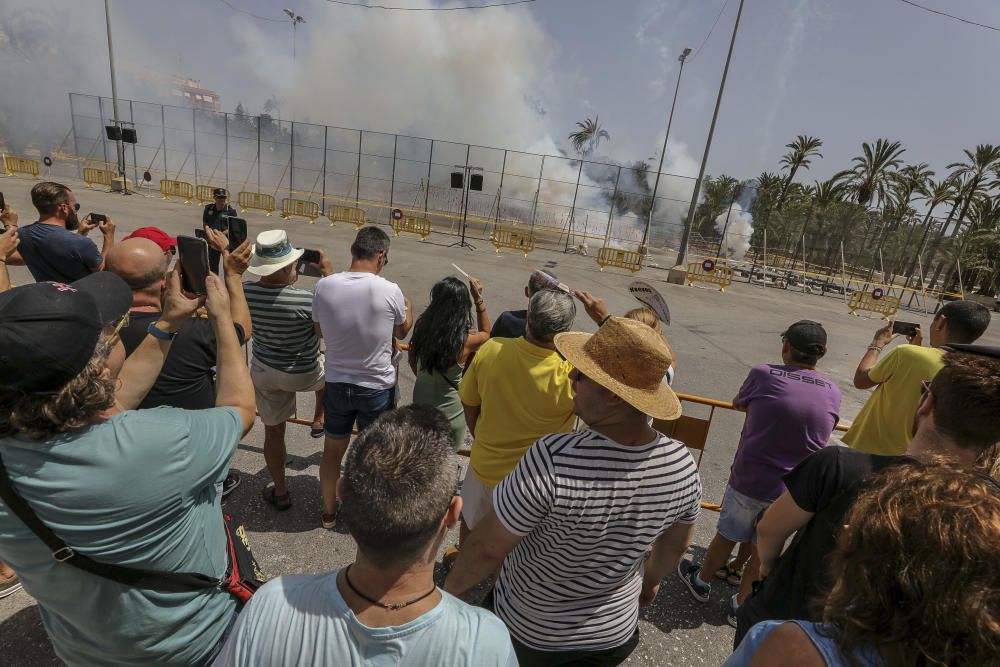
187,379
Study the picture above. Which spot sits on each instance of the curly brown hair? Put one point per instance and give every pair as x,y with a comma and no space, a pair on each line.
916,569
40,416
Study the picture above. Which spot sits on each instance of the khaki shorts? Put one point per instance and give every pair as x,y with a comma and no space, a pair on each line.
275,390
477,499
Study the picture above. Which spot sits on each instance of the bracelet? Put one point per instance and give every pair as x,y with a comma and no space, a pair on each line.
158,333
606,318
874,347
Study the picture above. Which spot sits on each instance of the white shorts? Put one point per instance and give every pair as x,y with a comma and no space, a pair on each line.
275,390
477,499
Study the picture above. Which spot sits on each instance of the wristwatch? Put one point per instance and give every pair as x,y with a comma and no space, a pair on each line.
153,331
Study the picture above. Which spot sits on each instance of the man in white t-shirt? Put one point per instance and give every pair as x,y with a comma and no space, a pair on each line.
358,314
572,523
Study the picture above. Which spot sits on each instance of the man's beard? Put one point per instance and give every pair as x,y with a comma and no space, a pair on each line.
72,221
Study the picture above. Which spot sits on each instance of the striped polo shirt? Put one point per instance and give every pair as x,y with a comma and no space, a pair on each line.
588,509
283,334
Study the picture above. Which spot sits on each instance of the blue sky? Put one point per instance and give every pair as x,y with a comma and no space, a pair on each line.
844,70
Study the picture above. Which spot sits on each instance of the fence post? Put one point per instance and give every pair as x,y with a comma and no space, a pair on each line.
225,132
611,209
104,143
538,191
427,188
291,161
392,179
194,142
503,168
163,128
572,211
135,166
357,184
76,145
326,132
258,155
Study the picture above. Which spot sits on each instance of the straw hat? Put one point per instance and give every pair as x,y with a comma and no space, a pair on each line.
272,252
627,358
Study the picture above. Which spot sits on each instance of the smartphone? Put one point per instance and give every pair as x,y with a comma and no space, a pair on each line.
237,233
200,233
310,256
192,253
98,217
905,328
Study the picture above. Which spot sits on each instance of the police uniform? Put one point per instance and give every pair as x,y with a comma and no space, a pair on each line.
210,218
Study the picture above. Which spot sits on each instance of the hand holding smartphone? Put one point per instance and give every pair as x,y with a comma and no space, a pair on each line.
192,253
907,329
237,233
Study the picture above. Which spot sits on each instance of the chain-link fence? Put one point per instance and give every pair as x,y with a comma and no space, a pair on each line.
568,203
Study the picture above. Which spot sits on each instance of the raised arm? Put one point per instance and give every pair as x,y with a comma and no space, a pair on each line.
235,389
235,264
883,337
8,243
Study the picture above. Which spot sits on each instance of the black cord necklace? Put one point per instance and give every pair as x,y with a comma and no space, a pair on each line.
390,607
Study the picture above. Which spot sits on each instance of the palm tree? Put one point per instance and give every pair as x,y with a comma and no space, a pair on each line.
586,139
905,183
799,156
933,194
717,195
984,161
983,257
869,178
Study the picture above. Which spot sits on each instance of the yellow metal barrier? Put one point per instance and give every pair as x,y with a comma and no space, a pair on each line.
517,240
204,193
20,165
711,273
255,200
170,189
356,216
93,176
623,259
412,224
875,301
299,207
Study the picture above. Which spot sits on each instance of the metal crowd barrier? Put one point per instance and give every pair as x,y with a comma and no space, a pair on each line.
204,193
93,176
20,165
514,239
255,200
711,273
875,301
623,259
299,207
412,224
349,214
181,189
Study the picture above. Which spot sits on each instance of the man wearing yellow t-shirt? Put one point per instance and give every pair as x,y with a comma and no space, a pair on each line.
514,391
885,424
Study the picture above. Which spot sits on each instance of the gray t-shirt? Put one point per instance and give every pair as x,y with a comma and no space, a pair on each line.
301,620
142,489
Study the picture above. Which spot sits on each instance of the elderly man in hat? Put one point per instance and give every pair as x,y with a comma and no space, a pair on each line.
791,411
573,522
286,357
124,487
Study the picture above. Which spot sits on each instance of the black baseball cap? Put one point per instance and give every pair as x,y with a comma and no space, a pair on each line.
220,192
48,331
806,336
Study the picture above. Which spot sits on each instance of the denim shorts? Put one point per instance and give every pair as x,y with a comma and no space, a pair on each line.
344,403
738,516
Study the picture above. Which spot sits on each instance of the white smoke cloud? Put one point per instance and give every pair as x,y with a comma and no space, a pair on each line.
736,234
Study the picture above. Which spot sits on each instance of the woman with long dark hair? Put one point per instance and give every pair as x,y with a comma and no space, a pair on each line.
443,341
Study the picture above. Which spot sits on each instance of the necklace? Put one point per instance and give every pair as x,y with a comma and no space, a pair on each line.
390,607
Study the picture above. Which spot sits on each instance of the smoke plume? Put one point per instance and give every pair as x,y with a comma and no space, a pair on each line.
736,234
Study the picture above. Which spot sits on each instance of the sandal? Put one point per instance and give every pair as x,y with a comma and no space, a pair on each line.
317,431
280,503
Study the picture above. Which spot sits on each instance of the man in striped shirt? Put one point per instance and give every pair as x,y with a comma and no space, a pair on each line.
286,355
572,523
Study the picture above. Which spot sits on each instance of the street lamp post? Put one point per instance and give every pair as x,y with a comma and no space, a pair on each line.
670,120
295,20
114,99
682,253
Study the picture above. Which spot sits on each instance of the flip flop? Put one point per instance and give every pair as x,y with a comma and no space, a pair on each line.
280,503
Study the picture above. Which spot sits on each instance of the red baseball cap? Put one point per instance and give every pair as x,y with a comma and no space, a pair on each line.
156,235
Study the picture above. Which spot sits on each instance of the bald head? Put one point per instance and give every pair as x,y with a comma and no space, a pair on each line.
140,263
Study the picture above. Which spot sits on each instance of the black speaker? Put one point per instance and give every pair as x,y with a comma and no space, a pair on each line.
129,136
476,182
457,180
114,132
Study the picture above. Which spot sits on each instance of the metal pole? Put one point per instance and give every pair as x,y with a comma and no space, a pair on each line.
225,130
163,127
534,209
194,142
843,270
923,285
357,185
611,209
881,264
291,157
76,145
135,166
326,134
392,178
572,212
114,96
803,261
764,281
670,120
104,144
503,167
708,145
958,266
258,154
427,188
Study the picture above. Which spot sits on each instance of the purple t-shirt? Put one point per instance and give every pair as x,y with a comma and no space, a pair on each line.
791,412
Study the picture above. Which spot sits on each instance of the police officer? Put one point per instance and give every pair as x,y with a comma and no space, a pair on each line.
213,212
216,216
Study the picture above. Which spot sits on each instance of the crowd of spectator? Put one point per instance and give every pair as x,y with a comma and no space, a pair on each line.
123,398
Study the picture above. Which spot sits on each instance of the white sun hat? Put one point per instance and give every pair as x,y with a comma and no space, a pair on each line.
272,252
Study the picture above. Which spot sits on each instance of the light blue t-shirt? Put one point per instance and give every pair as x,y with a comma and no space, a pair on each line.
824,642
138,489
302,620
